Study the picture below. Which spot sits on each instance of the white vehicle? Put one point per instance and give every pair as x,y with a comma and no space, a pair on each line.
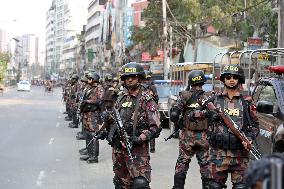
24,86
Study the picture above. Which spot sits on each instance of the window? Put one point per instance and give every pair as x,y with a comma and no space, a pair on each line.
268,94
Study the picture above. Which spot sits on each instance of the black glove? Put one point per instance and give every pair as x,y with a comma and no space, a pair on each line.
135,140
212,115
191,117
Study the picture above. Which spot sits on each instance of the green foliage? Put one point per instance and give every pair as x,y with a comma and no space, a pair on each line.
190,18
4,59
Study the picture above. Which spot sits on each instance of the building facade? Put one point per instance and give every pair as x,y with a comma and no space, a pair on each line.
3,41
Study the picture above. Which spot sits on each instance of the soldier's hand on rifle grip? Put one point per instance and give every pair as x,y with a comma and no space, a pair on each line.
212,115
247,145
135,140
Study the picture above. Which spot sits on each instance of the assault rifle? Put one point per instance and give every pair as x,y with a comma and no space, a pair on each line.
123,134
229,122
178,126
81,98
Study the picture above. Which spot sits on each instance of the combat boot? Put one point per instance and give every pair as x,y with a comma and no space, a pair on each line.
179,181
84,152
72,125
80,136
67,118
84,157
93,159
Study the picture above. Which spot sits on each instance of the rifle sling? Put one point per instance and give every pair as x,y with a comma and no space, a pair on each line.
136,111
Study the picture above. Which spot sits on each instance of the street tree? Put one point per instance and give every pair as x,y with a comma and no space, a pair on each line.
4,59
191,18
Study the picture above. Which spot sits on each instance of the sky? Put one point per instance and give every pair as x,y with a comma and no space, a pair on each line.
20,17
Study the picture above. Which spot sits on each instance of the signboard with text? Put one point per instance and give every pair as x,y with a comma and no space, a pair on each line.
128,22
254,43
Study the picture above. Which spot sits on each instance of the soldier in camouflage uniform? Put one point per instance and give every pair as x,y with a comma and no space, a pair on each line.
91,109
151,86
227,153
141,121
73,101
69,98
192,136
107,81
83,89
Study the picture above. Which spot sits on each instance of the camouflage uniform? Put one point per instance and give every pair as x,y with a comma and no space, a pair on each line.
67,97
75,88
227,153
91,108
147,128
192,137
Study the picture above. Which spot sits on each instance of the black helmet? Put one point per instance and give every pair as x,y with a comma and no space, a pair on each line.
94,76
116,79
148,74
196,77
233,69
261,170
132,69
75,77
108,77
84,79
86,73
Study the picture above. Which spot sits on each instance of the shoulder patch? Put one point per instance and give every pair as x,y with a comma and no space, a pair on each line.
151,107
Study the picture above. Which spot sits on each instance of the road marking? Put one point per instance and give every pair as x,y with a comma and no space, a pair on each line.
60,111
57,124
59,117
51,141
40,178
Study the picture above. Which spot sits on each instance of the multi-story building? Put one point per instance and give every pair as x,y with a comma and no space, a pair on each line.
29,43
75,16
3,41
54,34
50,38
93,35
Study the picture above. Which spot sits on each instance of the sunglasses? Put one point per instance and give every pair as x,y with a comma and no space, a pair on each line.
131,76
228,77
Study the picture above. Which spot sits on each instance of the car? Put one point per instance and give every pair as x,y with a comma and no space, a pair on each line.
24,86
268,96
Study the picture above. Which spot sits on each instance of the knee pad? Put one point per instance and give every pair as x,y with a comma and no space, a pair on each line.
240,186
215,185
140,182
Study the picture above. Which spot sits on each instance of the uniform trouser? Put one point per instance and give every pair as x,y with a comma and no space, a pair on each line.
220,166
75,118
92,145
191,143
69,109
125,171
152,144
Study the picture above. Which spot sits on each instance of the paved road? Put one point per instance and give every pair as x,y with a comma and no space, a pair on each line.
38,150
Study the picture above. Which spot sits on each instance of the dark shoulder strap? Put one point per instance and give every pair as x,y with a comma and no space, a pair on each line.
136,110
193,97
246,110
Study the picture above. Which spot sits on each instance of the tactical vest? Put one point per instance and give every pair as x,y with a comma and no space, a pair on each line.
198,125
87,107
219,134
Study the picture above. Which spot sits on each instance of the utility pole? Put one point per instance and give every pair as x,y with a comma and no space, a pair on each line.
280,28
171,50
165,34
